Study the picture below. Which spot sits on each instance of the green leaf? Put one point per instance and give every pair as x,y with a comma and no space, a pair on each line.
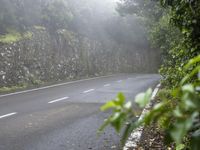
117,121
126,133
178,132
181,127
143,99
192,62
188,88
104,125
180,147
121,98
189,104
115,117
139,99
108,105
189,76
177,112
128,105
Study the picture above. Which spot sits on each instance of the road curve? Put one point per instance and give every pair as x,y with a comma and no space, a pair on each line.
66,116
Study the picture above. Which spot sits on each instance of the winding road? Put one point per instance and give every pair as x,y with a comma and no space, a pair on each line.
66,116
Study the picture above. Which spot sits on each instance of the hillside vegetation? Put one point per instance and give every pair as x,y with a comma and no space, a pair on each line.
56,40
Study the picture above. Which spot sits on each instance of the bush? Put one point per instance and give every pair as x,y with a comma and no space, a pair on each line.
176,32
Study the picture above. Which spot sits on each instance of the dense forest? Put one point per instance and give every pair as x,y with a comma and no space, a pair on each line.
173,27
54,40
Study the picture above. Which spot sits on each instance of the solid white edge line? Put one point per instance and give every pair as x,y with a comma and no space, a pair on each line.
8,115
51,86
58,100
136,134
88,91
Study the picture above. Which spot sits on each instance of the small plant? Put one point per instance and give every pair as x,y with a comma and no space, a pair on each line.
177,112
123,114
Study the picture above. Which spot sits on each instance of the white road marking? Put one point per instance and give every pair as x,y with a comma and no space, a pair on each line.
8,115
51,86
106,85
119,81
155,91
133,140
88,91
58,100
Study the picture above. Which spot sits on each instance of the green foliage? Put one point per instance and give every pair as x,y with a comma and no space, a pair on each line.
56,15
186,16
180,147
143,99
120,109
10,37
178,112
23,14
175,30
12,89
14,36
122,114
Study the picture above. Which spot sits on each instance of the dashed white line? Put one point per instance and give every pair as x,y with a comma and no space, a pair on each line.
88,91
106,85
58,100
56,85
8,115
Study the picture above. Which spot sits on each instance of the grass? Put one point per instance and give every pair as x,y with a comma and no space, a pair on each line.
12,89
13,36
34,84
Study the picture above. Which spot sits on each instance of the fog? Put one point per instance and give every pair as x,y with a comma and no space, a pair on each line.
53,40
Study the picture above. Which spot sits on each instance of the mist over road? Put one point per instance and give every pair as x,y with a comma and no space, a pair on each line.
66,116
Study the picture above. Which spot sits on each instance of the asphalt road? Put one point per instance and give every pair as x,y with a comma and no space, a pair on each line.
66,116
